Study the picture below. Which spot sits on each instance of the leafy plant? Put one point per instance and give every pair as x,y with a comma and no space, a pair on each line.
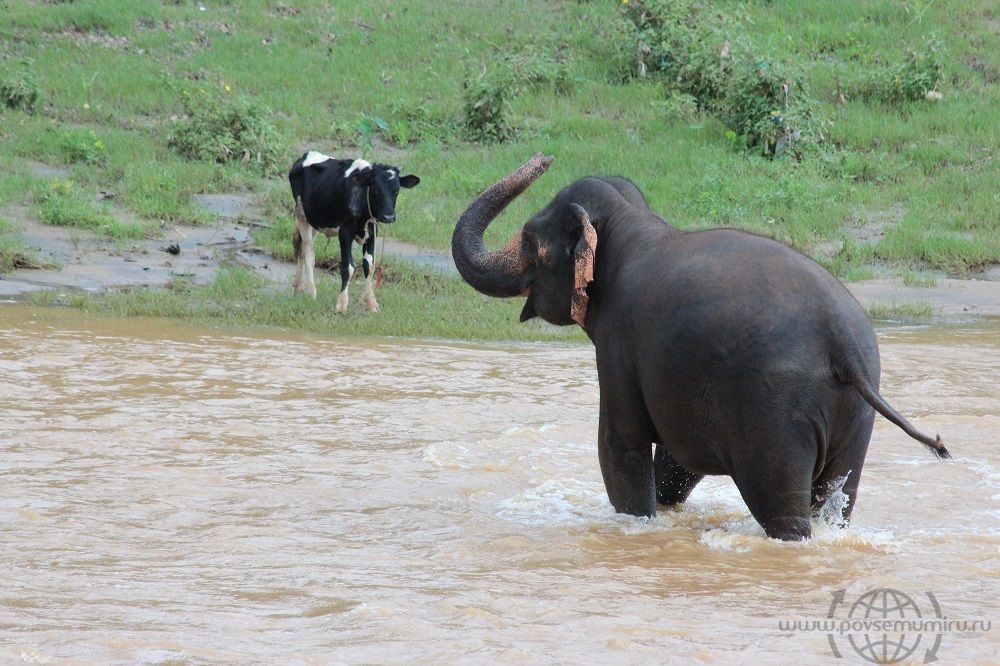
536,70
82,146
412,122
911,80
19,90
705,57
769,107
220,128
367,127
487,94
487,107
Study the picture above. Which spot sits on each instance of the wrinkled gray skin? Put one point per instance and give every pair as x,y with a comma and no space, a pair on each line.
732,353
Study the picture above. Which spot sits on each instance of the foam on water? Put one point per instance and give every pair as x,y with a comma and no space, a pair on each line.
558,503
716,510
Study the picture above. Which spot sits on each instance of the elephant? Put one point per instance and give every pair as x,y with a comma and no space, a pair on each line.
719,352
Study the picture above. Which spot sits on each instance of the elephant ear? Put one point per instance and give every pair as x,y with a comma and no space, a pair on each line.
583,264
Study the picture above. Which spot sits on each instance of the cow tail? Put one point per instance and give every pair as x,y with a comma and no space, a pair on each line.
296,243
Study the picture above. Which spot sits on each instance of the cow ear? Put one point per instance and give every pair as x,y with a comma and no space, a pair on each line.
409,181
583,264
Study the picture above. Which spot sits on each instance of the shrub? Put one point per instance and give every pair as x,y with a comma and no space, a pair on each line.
486,94
222,129
486,107
411,122
535,71
905,81
678,105
82,146
769,108
705,56
19,91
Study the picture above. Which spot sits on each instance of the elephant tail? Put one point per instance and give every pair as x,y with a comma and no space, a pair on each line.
873,398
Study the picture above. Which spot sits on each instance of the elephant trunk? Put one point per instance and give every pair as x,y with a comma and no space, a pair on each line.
505,272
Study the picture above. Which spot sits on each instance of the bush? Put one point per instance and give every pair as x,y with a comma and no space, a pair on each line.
82,146
487,94
222,129
486,107
769,109
705,56
906,81
412,122
537,72
19,91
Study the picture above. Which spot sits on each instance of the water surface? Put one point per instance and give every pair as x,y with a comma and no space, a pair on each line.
173,494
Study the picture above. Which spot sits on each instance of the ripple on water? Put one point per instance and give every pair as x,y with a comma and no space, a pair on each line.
171,494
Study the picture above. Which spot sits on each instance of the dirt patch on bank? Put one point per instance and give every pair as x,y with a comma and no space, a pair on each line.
85,261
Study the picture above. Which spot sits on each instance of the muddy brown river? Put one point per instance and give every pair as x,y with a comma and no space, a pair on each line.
170,494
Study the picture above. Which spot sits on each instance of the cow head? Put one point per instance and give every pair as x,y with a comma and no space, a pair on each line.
381,183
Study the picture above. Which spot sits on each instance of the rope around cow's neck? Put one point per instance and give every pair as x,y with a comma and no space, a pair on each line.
371,220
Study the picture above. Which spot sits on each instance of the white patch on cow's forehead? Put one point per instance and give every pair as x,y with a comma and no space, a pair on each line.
359,165
313,157
392,173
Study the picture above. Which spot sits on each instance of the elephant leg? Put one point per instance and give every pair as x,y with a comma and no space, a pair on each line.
624,449
778,491
846,456
673,482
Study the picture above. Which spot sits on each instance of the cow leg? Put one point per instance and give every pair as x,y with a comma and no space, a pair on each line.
302,228
369,266
308,254
346,267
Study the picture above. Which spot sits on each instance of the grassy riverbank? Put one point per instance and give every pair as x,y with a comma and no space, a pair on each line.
415,303
890,106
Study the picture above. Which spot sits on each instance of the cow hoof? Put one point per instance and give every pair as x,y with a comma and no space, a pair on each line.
372,306
341,303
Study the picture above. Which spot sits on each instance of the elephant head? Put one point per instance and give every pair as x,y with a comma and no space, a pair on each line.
551,260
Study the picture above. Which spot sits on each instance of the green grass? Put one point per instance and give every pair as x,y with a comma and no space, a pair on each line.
932,164
907,311
61,203
912,279
414,303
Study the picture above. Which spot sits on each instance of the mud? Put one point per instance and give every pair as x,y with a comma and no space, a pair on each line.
87,262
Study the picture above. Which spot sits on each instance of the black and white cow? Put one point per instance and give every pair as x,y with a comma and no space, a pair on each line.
346,198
